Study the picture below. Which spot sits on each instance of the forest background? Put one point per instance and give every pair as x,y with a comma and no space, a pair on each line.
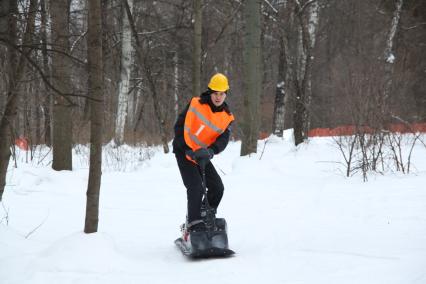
74,71
154,72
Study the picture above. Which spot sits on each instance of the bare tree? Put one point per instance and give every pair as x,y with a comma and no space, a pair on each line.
95,64
252,76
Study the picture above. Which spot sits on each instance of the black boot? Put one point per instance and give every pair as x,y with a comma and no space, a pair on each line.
197,227
205,212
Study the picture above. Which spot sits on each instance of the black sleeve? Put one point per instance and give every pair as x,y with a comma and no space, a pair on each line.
179,144
222,141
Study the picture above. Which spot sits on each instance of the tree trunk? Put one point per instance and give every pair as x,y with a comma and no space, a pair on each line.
196,57
138,100
139,114
389,55
94,56
299,110
138,106
8,28
6,19
37,115
16,70
126,67
47,99
308,21
290,73
252,76
310,30
279,107
62,123
157,111
176,84
298,117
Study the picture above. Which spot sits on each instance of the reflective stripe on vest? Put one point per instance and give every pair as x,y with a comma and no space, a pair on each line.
203,126
204,120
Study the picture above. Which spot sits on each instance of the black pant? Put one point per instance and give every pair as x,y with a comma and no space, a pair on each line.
192,179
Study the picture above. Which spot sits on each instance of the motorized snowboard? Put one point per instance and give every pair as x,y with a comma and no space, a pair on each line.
213,242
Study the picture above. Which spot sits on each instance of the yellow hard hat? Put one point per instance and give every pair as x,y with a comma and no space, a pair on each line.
219,83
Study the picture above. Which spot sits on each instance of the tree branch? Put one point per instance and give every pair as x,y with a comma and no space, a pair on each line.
36,47
270,5
413,27
302,7
44,77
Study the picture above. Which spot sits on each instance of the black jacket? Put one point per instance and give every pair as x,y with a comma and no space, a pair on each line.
179,145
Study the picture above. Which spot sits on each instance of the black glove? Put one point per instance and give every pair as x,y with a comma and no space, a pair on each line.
211,153
201,154
190,153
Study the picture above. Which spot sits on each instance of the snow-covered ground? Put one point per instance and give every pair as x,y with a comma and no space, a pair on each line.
292,218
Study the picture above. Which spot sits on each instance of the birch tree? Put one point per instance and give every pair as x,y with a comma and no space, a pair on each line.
312,25
127,60
389,54
308,15
252,76
95,63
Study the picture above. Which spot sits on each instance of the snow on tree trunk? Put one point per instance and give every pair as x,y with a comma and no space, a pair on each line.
126,67
176,83
389,55
313,22
278,121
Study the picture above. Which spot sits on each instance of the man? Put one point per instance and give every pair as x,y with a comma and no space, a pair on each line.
202,129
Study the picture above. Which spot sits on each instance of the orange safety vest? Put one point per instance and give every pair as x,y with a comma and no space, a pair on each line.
203,126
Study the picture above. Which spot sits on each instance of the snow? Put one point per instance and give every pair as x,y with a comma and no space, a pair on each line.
390,58
292,218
